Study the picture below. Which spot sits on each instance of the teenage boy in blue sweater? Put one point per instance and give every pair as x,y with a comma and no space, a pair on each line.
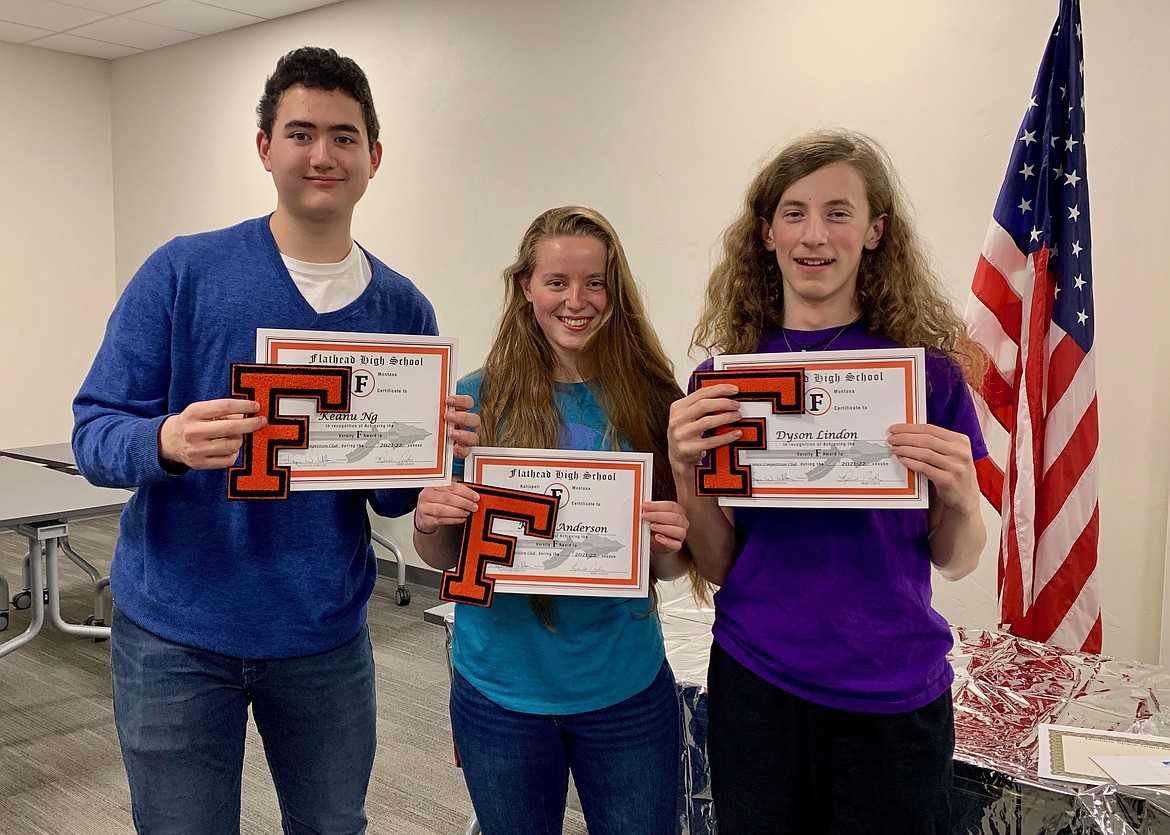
225,604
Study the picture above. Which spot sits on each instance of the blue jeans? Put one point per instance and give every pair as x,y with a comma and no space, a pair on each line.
182,712
624,759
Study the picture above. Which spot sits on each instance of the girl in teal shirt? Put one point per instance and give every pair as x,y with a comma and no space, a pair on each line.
544,686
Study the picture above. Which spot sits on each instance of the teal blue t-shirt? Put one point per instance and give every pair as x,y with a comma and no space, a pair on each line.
604,649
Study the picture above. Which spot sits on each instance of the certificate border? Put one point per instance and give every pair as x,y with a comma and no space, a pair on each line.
271,341
614,460
912,360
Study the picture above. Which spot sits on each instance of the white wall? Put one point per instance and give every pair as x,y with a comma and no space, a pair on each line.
657,113
56,235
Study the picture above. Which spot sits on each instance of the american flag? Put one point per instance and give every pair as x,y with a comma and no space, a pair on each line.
1031,309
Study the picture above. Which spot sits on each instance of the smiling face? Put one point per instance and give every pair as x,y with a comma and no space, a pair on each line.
568,292
319,155
818,232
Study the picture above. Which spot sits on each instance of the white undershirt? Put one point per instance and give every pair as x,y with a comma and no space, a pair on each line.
329,287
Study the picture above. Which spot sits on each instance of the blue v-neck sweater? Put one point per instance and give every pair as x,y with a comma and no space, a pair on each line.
252,579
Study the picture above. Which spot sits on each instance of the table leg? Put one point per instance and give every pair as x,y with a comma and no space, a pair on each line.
38,601
99,582
99,632
23,599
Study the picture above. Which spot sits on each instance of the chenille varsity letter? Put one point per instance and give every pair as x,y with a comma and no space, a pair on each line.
260,477
536,512
782,389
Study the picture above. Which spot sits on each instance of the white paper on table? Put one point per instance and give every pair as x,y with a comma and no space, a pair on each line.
1135,771
1069,754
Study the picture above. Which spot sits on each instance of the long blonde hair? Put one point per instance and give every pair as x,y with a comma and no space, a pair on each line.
899,293
622,360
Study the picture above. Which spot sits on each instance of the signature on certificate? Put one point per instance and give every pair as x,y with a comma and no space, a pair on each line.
589,568
859,478
306,461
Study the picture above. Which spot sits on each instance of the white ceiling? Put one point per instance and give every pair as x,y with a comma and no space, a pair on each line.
116,28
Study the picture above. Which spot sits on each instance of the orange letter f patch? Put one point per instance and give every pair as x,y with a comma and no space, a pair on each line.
260,477
782,389
536,512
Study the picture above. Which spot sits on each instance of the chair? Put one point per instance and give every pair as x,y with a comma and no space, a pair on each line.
402,593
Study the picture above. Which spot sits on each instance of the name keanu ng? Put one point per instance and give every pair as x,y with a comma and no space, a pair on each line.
376,360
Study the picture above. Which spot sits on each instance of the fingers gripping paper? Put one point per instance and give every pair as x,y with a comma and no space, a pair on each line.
259,476
783,389
481,547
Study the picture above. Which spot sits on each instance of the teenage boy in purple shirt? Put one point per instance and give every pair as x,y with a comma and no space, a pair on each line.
829,688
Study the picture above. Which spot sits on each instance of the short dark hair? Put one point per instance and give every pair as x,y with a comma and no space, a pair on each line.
317,69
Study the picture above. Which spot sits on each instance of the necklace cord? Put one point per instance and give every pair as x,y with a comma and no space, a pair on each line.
820,343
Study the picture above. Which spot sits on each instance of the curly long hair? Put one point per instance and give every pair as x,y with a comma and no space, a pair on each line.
622,361
899,293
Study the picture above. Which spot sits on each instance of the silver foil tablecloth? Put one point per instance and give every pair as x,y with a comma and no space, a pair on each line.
686,629
1004,688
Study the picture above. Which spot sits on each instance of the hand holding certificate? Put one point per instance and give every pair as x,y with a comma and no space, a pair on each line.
393,431
833,450
600,545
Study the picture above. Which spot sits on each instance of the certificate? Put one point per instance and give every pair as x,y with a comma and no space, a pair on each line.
834,452
600,547
1076,755
394,434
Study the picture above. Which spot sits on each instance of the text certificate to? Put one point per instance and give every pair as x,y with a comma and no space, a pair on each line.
394,434
601,547
835,453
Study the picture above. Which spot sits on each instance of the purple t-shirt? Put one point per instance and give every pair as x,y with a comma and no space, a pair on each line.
833,604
